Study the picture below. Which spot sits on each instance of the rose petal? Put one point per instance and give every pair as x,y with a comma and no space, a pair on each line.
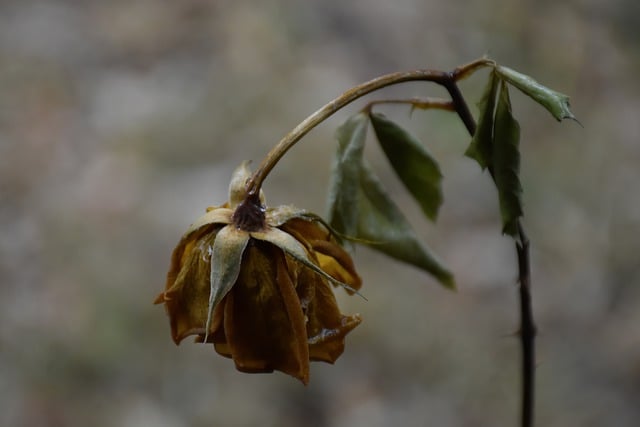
336,262
326,326
293,247
263,320
188,286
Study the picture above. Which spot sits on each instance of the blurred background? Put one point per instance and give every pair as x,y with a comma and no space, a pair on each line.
121,121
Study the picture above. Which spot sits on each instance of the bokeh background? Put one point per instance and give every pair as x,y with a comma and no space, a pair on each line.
121,121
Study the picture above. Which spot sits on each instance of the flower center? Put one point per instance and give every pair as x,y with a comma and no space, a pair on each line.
249,214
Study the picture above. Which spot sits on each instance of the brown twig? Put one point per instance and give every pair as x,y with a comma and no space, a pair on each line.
527,328
416,103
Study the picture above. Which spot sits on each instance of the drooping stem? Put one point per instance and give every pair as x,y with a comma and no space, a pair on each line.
289,140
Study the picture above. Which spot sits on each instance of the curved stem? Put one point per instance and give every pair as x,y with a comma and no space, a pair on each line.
416,103
440,77
255,182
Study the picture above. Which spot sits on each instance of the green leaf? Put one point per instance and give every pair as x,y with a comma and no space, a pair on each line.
506,163
360,208
384,228
481,147
557,103
411,161
226,259
345,175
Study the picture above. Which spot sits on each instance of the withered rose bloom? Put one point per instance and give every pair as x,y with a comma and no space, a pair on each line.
256,282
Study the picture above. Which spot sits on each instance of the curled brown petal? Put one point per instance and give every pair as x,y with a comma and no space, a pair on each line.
326,326
187,294
263,321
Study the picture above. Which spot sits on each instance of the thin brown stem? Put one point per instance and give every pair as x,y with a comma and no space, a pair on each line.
460,105
440,77
527,328
416,103
464,71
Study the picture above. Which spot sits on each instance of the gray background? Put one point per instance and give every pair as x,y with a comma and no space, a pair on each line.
121,121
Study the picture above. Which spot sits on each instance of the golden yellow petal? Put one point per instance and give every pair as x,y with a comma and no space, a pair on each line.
336,262
324,248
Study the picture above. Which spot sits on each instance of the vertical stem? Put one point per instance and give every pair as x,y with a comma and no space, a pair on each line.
460,105
527,328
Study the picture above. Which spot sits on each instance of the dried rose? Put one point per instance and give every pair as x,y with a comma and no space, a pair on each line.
255,282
